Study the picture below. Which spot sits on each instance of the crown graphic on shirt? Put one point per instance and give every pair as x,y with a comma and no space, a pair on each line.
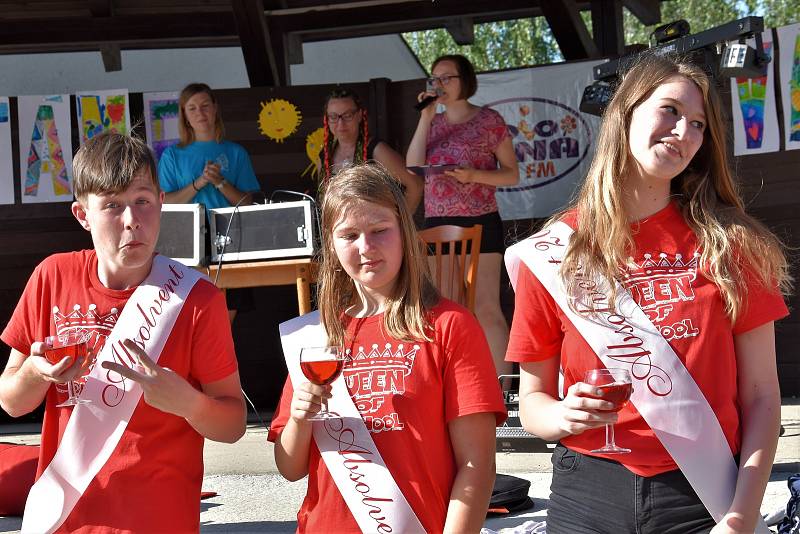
662,266
78,320
401,359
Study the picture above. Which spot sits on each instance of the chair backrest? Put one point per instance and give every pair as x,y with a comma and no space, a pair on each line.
454,264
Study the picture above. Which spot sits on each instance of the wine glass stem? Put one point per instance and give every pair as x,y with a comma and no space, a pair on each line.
71,389
610,436
324,408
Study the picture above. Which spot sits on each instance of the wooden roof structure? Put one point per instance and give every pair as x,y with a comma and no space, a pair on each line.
271,32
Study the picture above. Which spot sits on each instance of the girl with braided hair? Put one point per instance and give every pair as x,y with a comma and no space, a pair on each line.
348,141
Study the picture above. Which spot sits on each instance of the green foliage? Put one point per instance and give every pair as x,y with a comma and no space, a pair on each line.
498,45
523,42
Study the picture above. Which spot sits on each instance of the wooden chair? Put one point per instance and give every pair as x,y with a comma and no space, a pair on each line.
455,272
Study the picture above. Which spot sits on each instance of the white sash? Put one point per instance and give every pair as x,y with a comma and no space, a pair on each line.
347,448
664,392
94,430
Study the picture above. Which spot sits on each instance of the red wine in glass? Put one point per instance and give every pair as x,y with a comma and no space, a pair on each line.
617,388
618,393
75,345
322,365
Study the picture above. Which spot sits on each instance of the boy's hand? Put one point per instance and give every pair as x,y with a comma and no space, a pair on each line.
163,388
60,373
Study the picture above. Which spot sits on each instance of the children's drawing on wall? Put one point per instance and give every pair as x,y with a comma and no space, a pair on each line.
789,40
755,120
161,120
278,119
102,111
6,161
314,142
45,148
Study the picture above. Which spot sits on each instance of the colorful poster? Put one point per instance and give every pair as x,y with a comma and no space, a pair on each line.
755,119
102,111
789,61
553,141
161,120
6,160
45,148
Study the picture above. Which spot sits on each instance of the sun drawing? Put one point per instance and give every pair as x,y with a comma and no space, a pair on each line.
278,119
314,142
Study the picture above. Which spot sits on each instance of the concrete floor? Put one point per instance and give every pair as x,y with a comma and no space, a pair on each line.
253,497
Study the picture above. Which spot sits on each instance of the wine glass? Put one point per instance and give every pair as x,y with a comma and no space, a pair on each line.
617,388
75,345
322,365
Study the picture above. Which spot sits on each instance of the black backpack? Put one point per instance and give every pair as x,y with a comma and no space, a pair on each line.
509,495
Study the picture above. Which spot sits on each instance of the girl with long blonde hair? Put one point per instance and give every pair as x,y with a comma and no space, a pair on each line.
660,217
418,367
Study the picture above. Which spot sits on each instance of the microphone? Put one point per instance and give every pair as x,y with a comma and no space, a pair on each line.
428,100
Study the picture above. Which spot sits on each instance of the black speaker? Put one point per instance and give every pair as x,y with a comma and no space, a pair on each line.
262,231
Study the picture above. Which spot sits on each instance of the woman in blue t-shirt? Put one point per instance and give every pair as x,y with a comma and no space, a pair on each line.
203,168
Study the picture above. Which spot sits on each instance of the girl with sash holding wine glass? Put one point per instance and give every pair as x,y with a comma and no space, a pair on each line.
655,269
416,453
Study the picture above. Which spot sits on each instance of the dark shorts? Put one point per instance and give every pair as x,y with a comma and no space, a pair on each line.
491,233
594,495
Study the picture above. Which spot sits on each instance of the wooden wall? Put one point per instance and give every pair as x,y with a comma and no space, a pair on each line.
28,233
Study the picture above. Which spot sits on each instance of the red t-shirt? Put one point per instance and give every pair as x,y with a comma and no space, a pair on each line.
684,305
406,393
472,143
153,479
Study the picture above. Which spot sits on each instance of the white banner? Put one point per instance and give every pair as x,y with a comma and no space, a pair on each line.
553,141
6,159
45,148
789,68
755,119
102,111
161,120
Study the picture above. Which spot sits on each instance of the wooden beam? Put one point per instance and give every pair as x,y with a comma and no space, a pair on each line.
101,8
112,57
129,31
259,58
607,27
461,30
337,19
647,11
569,30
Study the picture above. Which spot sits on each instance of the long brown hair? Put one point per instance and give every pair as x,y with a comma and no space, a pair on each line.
185,130
405,314
733,245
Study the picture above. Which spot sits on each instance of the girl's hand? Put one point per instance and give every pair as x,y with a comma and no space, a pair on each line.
731,523
429,111
307,401
583,409
212,173
465,175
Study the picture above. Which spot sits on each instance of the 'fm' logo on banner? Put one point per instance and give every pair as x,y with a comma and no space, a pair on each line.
550,139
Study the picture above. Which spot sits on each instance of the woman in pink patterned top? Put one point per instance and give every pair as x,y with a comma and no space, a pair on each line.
475,139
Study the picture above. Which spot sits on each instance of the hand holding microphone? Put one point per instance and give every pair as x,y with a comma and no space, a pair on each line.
426,101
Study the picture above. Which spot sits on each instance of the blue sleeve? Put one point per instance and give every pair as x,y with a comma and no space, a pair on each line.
168,172
242,175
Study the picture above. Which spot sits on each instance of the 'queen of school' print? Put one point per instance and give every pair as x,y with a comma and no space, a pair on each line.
373,376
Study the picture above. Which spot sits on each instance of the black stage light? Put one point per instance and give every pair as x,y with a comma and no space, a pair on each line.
596,97
670,31
741,60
